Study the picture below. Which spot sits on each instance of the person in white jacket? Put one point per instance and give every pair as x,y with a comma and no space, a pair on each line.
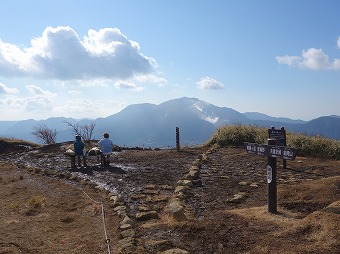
106,147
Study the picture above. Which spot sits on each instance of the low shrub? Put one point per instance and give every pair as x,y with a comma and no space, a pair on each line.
36,201
312,146
236,135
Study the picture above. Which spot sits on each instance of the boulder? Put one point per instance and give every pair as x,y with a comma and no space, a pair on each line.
176,211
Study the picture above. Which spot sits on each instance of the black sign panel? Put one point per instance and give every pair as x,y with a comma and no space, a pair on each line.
255,148
281,152
279,135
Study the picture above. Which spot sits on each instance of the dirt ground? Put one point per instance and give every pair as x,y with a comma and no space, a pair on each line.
47,207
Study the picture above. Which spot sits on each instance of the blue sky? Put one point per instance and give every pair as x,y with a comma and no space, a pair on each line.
93,58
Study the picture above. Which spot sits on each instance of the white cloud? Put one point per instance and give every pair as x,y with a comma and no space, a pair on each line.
41,100
313,59
7,90
338,42
38,91
152,79
128,84
39,103
208,83
288,60
91,108
39,107
27,104
60,54
74,93
12,103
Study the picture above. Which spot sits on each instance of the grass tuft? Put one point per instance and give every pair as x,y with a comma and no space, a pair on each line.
36,201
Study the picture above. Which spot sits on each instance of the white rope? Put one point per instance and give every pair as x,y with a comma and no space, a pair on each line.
107,240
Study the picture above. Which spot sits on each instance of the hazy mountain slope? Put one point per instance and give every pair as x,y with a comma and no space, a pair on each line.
264,117
154,125
327,126
5,125
208,112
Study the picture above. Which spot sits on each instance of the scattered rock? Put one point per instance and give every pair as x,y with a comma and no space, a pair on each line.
67,219
176,211
136,196
155,243
156,199
126,245
175,251
147,215
238,198
150,192
120,210
150,186
129,233
127,220
197,182
181,189
197,163
125,226
194,171
143,208
117,200
185,183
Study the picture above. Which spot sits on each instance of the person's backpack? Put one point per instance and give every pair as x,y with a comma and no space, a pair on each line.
95,151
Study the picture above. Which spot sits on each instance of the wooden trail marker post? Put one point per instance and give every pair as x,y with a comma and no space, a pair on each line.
178,147
272,151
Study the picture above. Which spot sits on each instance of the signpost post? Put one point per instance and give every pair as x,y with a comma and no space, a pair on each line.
273,151
271,181
178,147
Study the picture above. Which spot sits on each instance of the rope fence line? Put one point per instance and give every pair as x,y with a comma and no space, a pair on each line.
107,240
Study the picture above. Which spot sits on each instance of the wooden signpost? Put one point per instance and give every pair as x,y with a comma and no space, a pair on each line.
280,136
178,147
273,151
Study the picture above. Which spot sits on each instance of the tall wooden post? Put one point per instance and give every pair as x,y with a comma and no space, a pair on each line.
271,180
178,147
284,162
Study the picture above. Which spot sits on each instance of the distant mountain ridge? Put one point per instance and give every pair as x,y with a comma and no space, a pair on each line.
153,125
264,117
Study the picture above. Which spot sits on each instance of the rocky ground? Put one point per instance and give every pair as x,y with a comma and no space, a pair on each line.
198,200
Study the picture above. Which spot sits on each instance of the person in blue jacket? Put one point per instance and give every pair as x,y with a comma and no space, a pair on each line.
79,150
106,147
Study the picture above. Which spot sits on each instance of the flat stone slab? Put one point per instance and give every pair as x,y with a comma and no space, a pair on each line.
175,251
147,215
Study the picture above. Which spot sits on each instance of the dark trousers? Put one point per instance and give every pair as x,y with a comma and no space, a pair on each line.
105,160
79,160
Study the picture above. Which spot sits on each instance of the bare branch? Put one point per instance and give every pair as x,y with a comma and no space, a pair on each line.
44,134
85,131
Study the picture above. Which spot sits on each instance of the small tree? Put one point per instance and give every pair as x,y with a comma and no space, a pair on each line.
86,130
44,134
75,128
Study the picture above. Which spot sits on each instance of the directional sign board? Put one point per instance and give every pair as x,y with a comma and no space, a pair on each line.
278,135
255,148
281,152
